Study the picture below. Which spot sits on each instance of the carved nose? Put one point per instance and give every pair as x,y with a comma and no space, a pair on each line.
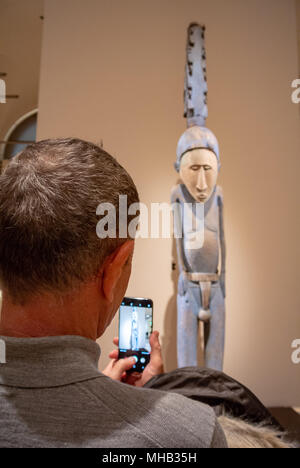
201,182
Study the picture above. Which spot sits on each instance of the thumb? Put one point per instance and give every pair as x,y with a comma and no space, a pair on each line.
155,346
156,361
121,366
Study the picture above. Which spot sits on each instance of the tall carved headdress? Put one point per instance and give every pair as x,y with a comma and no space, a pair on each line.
195,97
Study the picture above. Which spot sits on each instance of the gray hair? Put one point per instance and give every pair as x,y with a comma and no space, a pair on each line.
242,434
49,194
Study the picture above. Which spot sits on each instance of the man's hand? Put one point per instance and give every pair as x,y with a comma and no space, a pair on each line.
116,369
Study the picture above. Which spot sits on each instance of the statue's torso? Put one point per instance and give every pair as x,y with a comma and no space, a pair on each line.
205,259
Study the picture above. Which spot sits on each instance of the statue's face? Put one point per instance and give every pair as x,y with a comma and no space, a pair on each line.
199,173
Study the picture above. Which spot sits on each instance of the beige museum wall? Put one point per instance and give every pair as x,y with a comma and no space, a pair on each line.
298,28
113,71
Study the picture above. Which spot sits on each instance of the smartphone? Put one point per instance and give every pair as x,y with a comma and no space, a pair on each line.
135,328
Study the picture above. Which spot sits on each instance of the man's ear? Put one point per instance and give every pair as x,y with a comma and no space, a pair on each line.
113,266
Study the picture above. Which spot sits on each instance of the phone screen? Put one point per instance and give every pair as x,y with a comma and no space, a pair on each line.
135,328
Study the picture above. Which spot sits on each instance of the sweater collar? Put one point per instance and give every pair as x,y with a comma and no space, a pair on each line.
49,361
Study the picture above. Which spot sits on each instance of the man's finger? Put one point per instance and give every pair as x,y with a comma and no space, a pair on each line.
122,365
114,354
116,341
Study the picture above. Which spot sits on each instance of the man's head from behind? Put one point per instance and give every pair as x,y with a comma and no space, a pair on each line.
49,194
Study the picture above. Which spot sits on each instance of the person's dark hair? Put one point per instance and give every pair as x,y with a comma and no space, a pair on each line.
49,194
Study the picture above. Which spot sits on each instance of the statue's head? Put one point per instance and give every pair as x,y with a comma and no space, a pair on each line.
198,162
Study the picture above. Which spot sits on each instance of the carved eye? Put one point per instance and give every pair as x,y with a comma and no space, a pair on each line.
196,167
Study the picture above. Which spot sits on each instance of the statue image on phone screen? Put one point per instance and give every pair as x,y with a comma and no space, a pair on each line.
135,328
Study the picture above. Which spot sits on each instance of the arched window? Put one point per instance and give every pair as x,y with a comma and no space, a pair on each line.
21,134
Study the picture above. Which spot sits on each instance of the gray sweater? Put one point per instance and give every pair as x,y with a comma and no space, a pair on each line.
53,395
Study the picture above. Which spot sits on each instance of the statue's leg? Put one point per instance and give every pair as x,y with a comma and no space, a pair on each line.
187,330
214,331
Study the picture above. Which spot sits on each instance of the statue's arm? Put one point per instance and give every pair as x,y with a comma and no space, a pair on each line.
177,200
176,196
222,240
